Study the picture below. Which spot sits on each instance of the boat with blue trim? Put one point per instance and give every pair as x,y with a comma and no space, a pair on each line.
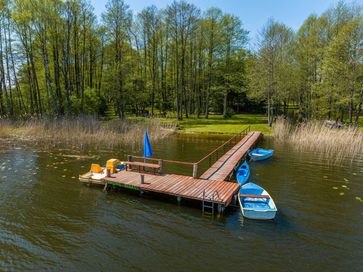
256,202
260,154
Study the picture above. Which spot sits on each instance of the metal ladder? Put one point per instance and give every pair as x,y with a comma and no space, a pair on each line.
208,203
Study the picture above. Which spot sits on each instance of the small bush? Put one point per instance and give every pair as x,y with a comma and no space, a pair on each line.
229,113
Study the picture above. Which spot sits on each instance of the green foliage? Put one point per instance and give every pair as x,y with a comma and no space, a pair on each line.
229,113
317,71
56,59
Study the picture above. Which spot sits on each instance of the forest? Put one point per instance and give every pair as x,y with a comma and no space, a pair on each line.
57,59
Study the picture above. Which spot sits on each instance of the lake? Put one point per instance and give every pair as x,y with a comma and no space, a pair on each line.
49,221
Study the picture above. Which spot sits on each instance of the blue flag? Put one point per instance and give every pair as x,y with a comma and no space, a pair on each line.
148,152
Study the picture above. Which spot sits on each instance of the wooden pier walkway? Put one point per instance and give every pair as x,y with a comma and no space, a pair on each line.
221,192
223,167
210,188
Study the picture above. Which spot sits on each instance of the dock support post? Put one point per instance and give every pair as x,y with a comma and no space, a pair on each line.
105,188
195,170
235,199
220,208
161,166
178,198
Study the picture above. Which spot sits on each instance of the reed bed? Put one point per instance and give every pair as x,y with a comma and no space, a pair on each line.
82,133
331,143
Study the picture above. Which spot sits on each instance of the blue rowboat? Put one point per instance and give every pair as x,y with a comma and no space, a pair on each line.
260,154
256,203
243,173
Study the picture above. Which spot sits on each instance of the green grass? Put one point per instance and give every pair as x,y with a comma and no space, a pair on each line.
217,124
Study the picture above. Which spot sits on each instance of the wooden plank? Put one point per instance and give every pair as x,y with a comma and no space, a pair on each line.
230,192
175,183
218,188
162,184
188,187
189,183
165,184
222,168
254,196
198,185
143,164
210,187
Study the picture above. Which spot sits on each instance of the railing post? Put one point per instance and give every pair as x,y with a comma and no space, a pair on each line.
129,157
161,166
195,170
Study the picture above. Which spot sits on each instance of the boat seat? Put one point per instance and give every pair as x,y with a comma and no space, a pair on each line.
96,168
254,196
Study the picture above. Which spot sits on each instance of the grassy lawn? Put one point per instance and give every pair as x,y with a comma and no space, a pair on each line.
216,124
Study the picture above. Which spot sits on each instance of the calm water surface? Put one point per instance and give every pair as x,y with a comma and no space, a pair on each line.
49,221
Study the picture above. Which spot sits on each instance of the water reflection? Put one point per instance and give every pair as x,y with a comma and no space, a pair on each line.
49,220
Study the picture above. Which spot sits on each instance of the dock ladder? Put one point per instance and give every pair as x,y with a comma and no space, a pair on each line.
208,203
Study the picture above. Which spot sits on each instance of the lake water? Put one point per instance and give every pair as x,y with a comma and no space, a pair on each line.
49,221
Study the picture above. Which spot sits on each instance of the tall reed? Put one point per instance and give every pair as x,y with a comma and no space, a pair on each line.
85,132
332,143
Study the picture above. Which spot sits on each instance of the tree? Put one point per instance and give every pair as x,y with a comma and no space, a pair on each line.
342,67
182,18
118,22
213,34
268,71
234,40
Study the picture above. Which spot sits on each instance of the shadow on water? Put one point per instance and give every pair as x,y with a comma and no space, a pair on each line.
51,221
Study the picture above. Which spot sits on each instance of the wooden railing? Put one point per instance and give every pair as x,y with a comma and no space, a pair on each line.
158,161
214,153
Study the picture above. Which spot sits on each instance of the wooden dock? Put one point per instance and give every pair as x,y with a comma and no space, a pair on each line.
210,188
224,167
221,192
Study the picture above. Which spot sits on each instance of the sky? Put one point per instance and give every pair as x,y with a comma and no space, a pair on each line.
253,13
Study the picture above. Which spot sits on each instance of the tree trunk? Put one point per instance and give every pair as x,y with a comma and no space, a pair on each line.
225,105
9,105
359,107
351,92
46,70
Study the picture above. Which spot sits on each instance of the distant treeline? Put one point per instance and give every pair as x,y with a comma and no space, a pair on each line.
57,59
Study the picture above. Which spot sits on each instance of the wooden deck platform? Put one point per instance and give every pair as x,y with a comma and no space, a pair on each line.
222,168
211,188
180,186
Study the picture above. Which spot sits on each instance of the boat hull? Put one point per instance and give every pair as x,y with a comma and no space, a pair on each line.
256,203
258,215
260,154
243,173
90,179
